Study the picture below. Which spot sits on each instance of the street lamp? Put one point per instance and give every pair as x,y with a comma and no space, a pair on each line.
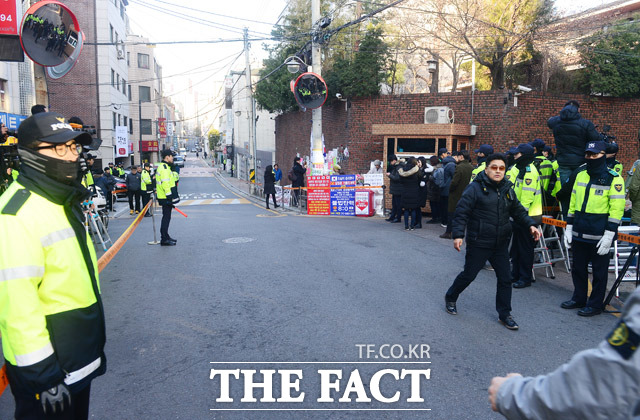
294,64
432,67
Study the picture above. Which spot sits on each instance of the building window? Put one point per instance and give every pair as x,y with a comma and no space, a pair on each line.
119,120
145,127
111,33
118,82
143,61
124,119
3,89
117,39
113,78
130,126
129,92
144,93
114,120
128,59
122,10
124,86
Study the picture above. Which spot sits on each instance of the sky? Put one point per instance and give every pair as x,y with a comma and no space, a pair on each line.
205,65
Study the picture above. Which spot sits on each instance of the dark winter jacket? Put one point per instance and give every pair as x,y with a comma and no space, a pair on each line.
571,133
133,181
433,191
460,180
449,165
269,181
424,175
484,210
410,180
395,186
300,172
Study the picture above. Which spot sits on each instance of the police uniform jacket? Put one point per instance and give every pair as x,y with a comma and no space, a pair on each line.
484,211
165,183
52,320
600,383
596,205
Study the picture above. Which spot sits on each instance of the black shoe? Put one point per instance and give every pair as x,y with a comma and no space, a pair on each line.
446,235
521,284
395,221
167,243
411,228
268,208
418,226
589,311
147,215
433,221
389,219
509,323
571,304
173,240
450,306
406,228
275,206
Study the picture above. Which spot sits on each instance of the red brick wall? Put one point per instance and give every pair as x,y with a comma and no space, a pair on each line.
76,93
499,124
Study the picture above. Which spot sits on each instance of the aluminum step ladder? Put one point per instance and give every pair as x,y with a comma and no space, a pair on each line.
541,255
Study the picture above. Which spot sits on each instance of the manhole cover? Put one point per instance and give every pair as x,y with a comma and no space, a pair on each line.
238,240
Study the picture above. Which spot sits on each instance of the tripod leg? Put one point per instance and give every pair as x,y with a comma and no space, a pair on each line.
615,285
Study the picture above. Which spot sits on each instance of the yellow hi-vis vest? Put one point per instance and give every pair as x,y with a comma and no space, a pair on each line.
87,180
545,169
479,169
528,189
51,316
146,180
595,207
164,180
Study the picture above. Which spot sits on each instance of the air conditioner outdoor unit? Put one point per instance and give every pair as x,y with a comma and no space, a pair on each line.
120,55
438,115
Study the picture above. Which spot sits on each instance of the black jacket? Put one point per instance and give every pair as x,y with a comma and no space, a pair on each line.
133,181
410,180
484,210
395,186
571,133
269,181
299,171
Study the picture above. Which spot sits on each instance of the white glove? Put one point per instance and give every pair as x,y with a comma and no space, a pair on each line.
568,236
604,244
422,184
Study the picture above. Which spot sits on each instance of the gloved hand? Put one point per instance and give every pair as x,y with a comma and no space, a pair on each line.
55,400
604,244
422,184
568,236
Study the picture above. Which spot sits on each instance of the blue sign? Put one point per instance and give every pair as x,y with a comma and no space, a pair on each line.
12,121
343,195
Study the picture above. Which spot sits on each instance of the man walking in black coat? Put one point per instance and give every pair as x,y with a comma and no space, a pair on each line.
133,181
484,211
395,189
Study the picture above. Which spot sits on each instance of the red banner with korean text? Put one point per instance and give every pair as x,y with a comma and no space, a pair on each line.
149,146
318,190
162,127
9,19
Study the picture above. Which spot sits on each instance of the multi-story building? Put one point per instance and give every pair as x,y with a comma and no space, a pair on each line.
97,89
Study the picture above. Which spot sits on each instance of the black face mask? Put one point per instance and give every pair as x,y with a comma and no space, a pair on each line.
611,161
596,167
63,171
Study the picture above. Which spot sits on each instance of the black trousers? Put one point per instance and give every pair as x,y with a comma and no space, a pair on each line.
146,196
134,198
166,219
444,207
522,248
449,221
583,253
435,210
267,199
473,263
31,409
396,207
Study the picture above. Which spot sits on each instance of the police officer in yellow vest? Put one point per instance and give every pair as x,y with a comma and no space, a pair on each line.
87,178
612,162
52,319
146,186
481,153
542,164
595,211
527,185
165,189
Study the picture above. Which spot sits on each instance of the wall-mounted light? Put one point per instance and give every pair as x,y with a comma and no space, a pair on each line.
432,65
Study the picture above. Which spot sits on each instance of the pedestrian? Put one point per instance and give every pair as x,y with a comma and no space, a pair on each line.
612,162
449,166
527,186
599,383
277,172
298,179
87,178
119,171
146,186
571,133
425,172
410,180
481,154
110,183
461,178
52,318
165,187
433,191
205,155
134,187
377,168
269,186
395,189
483,212
595,211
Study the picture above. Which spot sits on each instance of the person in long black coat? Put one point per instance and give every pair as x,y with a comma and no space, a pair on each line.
269,186
410,179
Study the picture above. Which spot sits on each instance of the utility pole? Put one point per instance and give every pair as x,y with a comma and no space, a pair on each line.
250,109
317,159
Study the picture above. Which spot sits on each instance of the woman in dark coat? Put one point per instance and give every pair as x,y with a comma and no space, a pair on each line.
410,179
269,187
424,174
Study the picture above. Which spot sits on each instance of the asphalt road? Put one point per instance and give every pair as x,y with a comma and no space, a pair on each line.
249,285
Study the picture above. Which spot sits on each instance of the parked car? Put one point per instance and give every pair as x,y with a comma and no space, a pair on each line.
178,161
193,150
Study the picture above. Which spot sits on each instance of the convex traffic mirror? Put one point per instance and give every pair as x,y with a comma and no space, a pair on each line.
50,34
310,90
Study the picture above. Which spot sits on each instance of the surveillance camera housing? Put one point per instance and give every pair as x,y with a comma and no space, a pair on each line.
524,88
338,95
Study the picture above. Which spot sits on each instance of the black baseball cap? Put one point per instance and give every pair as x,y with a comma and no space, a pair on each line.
49,127
485,149
596,147
167,152
442,150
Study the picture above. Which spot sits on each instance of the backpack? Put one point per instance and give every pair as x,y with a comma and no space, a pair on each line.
292,175
438,177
